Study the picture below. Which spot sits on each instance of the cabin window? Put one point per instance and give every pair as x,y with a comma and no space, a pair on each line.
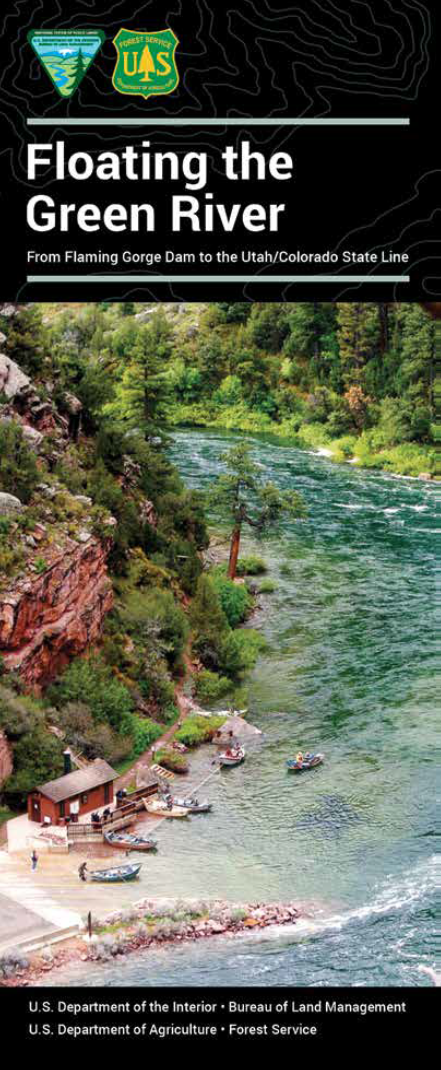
84,798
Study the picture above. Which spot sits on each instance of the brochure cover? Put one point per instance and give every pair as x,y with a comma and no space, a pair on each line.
220,317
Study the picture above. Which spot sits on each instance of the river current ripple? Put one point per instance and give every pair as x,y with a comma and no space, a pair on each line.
352,669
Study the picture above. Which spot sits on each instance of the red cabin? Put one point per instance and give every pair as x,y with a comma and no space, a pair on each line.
73,794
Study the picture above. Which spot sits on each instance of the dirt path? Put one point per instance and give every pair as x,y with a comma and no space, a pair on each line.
185,707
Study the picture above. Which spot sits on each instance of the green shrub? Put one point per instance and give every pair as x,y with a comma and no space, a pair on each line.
19,473
38,757
172,759
91,680
160,606
197,730
144,732
18,714
207,618
240,651
267,586
251,566
40,565
210,686
235,600
11,557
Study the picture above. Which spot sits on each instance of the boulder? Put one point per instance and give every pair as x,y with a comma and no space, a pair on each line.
71,404
33,437
425,475
12,379
9,504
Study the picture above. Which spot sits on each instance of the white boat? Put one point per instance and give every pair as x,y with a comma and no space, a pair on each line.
193,805
161,809
229,713
232,756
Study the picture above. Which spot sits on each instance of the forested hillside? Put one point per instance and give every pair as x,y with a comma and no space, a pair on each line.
105,604
357,377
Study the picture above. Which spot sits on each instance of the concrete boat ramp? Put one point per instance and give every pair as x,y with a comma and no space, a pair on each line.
28,914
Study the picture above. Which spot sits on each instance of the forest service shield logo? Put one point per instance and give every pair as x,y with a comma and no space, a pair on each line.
146,64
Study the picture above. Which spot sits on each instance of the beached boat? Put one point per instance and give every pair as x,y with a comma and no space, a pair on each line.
230,712
193,805
160,809
118,873
130,842
309,761
232,756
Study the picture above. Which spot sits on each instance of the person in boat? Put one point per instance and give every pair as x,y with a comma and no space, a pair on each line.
82,871
299,758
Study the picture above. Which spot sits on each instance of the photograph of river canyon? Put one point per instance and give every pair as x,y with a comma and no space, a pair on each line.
219,554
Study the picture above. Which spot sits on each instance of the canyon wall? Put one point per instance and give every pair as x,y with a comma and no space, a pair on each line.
45,620
5,759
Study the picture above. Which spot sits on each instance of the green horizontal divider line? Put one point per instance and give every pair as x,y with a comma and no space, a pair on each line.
217,278
215,121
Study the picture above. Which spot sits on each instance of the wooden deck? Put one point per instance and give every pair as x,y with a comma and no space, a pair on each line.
120,818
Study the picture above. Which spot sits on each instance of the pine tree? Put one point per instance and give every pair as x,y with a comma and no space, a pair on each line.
26,339
207,617
240,495
143,387
358,339
80,69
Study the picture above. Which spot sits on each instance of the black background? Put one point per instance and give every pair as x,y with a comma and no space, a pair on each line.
357,188
345,1030
354,188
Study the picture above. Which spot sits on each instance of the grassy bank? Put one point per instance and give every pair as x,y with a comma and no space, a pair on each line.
366,450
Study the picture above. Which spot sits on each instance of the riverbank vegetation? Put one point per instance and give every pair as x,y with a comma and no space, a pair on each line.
354,378
112,480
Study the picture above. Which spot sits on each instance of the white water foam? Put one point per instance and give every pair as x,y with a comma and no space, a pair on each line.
393,895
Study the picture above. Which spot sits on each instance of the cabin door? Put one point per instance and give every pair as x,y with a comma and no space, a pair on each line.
36,809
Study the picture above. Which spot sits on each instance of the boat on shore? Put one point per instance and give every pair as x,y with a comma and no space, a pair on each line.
309,761
193,805
161,809
232,756
130,842
118,873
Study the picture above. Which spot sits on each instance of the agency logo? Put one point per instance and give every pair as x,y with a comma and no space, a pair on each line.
146,64
66,55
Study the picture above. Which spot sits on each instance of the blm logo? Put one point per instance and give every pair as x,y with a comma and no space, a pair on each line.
66,55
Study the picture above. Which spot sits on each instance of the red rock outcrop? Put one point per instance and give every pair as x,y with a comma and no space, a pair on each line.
45,620
5,759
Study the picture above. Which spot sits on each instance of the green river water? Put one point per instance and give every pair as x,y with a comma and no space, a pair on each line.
352,669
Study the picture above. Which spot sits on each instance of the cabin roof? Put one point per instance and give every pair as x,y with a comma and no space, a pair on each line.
79,782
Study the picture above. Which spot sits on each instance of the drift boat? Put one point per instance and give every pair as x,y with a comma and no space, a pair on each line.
160,809
193,805
129,842
118,873
232,756
310,761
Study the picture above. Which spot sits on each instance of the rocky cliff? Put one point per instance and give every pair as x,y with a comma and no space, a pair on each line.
5,759
45,620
